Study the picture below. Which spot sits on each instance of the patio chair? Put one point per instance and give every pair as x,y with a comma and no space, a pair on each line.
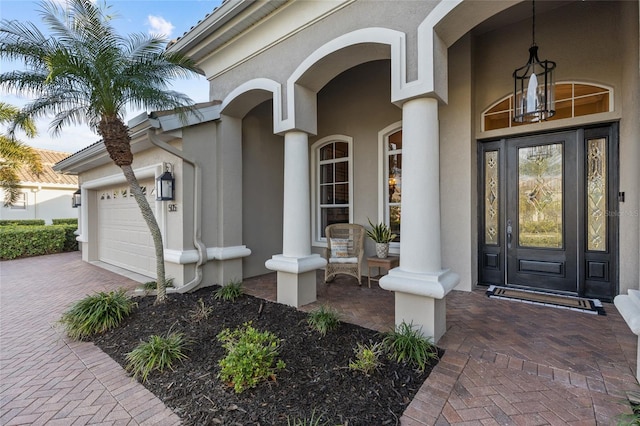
345,250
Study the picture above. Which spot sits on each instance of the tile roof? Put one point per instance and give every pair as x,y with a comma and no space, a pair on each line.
48,175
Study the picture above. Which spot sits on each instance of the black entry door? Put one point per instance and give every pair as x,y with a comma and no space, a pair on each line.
547,207
542,218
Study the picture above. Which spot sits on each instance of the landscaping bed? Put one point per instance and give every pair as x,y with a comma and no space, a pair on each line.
315,382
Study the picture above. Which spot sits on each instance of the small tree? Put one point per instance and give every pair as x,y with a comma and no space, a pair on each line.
83,71
14,154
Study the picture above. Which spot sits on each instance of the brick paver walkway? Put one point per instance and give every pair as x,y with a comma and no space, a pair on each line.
44,377
506,363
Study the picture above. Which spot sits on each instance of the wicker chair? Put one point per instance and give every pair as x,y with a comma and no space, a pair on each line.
345,250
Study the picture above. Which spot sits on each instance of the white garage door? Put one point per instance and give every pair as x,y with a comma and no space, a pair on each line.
124,239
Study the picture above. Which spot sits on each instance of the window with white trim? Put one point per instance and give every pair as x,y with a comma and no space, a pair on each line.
333,188
20,203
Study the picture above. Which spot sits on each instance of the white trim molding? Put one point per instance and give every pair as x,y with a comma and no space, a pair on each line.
184,257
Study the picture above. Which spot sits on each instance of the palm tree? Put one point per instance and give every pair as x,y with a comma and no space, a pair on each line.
83,71
15,154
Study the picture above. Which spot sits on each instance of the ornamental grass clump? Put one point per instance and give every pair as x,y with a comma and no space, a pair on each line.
152,285
96,314
323,319
157,353
367,357
251,355
201,312
230,292
406,344
312,421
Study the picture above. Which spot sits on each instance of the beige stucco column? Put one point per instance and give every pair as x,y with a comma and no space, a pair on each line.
296,266
229,250
420,284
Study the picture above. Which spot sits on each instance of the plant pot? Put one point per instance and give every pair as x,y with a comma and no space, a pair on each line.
382,250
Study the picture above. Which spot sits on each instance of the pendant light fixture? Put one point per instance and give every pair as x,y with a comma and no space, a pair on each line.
534,92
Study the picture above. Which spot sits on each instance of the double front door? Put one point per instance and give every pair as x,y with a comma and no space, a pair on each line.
547,211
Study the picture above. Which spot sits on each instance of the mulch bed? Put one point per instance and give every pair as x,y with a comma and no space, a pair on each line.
316,380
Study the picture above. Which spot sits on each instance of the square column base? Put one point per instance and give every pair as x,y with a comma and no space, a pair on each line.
425,313
296,289
420,298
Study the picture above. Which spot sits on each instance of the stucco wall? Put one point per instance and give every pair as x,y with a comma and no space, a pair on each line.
291,51
262,177
458,170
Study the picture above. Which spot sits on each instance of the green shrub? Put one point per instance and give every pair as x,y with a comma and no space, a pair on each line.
229,292
70,242
97,313
157,353
250,356
407,344
25,241
22,222
323,319
367,357
68,221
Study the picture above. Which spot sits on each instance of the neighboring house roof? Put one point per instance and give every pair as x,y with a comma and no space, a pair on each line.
48,175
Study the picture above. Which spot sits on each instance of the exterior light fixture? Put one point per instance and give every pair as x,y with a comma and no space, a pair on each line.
76,199
534,93
165,186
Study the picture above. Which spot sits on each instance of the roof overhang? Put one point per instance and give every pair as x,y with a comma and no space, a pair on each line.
232,18
166,123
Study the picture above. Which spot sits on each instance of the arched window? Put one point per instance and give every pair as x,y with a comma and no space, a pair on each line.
333,183
573,99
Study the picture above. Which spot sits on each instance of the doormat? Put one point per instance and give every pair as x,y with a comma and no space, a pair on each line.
590,306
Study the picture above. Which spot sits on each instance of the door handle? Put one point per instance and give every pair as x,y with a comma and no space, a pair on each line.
509,233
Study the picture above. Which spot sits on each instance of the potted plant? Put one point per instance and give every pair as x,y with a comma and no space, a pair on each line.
381,234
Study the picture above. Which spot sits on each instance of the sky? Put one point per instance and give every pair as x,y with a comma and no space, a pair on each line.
171,18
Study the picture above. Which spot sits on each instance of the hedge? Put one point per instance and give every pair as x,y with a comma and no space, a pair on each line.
69,221
26,241
21,222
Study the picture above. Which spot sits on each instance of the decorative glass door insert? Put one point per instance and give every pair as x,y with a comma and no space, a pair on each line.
547,212
540,196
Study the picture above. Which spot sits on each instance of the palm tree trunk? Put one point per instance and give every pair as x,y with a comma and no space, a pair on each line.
152,223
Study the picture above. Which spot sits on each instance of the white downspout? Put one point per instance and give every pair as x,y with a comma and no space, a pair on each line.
197,206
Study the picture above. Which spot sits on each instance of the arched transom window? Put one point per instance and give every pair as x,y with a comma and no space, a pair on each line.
573,99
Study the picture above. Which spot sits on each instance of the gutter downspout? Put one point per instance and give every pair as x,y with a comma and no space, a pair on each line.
197,206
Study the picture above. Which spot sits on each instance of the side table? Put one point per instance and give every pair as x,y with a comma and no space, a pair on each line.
388,263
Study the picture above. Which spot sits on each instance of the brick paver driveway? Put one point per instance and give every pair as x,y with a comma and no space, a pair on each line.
44,377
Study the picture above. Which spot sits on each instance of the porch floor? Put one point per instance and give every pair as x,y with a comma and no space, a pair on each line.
505,363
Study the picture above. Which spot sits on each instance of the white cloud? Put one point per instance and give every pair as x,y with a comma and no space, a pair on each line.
160,26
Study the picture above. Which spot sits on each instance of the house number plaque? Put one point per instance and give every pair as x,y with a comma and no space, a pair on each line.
173,207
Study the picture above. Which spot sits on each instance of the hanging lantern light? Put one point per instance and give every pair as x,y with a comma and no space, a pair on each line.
76,199
165,186
534,93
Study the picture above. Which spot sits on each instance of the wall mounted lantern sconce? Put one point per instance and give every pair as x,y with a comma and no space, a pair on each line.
534,93
76,199
165,185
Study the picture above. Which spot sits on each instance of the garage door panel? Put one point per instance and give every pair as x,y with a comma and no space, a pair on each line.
124,239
